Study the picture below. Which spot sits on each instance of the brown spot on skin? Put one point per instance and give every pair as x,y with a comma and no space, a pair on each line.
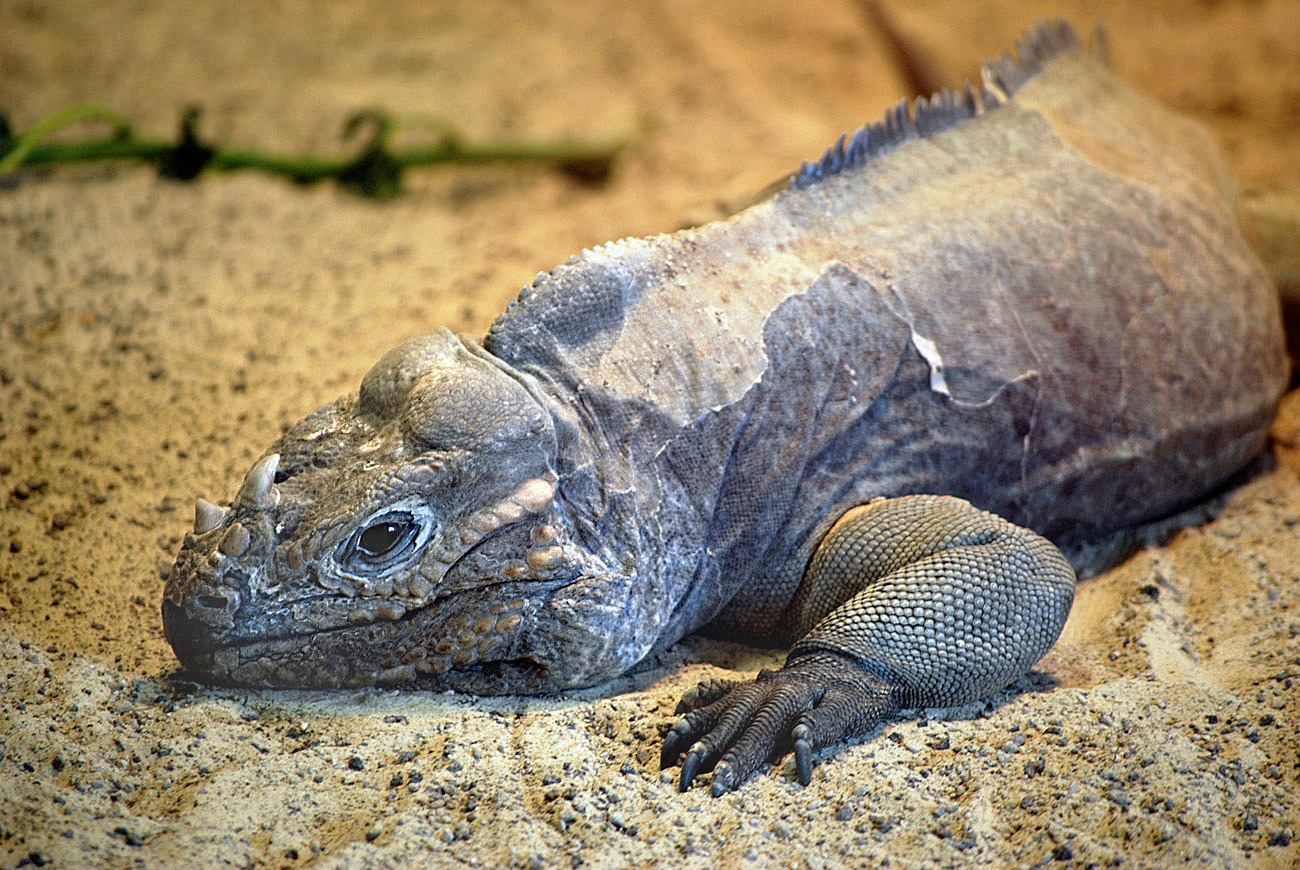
419,588
540,560
508,512
465,639
443,647
516,604
413,656
463,657
534,495
514,571
544,534
508,623
484,625
487,521
486,645
390,611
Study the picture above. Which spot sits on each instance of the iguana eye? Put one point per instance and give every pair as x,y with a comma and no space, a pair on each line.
381,537
384,539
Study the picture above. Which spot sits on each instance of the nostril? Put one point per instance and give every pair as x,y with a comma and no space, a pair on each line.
213,602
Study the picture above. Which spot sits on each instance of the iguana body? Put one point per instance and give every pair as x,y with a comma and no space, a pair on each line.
1033,296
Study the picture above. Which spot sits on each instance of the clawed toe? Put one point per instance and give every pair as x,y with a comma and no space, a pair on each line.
805,706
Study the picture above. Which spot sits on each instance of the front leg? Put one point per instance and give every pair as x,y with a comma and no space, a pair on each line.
907,602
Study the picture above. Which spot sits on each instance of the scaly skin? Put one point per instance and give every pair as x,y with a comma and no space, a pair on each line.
908,602
1030,298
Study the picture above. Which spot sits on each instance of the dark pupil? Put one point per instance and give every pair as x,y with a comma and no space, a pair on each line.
380,538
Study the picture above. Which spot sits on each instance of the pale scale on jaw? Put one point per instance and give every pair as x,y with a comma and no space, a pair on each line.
507,512
542,560
535,495
418,589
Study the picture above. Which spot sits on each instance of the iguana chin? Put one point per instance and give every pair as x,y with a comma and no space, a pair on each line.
1029,297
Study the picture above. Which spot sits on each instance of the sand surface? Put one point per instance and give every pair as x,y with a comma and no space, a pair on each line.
156,336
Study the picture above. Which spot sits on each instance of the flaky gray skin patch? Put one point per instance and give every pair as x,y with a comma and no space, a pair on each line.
1047,309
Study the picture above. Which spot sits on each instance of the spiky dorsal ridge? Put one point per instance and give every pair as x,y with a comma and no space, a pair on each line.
1000,79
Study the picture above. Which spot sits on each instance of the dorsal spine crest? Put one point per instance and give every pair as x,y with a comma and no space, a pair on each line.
1000,79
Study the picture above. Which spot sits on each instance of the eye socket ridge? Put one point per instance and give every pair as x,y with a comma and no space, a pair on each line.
383,540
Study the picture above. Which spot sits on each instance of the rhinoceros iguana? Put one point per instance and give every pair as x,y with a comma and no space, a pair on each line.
1030,297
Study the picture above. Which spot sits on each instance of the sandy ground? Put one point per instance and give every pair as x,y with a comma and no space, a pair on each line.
156,336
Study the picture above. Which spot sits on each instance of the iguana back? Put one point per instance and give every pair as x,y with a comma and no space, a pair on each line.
1041,303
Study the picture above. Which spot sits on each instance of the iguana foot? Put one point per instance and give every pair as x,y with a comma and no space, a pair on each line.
809,704
913,601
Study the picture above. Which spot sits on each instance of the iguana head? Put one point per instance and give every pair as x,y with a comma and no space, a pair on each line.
410,529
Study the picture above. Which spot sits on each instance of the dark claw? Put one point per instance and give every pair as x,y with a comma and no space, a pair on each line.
813,701
691,766
802,752
675,742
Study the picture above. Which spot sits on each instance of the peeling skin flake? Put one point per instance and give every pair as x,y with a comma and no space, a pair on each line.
926,347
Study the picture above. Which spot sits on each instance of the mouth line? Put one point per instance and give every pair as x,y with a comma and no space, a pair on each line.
520,675
533,588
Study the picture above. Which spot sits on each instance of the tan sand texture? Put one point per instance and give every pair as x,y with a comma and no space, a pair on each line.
155,336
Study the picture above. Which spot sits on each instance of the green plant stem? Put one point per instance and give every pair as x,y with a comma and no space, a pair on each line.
30,149
30,142
309,167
